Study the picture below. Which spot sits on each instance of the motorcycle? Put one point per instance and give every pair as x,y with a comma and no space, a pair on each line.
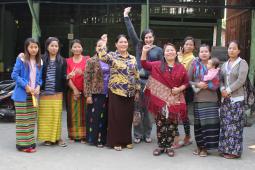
7,109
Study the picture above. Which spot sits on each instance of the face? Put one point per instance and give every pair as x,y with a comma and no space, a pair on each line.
233,51
209,64
149,39
188,46
204,53
122,44
76,49
170,53
33,49
53,48
99,45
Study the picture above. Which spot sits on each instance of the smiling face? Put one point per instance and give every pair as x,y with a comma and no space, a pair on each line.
204,53
122,45
53,48
99,45
149,38
170,53
77,49
233,50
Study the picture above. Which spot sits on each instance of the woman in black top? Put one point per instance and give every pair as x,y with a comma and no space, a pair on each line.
143,130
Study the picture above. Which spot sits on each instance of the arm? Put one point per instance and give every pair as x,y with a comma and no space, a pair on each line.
88,75
16,74
242,75
222,84
184,84
146,65
130,28
104,56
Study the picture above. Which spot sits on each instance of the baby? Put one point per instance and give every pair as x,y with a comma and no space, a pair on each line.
212,74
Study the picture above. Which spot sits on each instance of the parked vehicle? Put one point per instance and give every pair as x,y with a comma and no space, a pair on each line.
7,109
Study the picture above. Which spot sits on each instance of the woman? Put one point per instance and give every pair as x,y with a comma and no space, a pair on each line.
206,124
233,77
165,92
96,79
123,91
27,73
186,57
142,131
51,98
76,104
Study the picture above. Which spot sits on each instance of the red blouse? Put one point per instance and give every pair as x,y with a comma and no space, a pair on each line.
78,78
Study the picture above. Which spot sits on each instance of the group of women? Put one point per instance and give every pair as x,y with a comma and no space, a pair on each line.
103,92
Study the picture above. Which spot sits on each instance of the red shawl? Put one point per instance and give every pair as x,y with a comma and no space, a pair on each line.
159,89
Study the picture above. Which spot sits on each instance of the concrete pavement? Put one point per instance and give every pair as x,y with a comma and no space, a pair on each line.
79,156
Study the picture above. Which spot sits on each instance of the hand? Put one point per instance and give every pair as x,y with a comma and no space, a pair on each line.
180,52
104,38
137,95
78,71
77,94
176,90
126,11
71,75
202,85
37,91
147,48
28,89
225,94
89,100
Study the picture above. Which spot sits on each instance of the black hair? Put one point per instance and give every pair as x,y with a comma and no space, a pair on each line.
163,60
215,62
28,41
59,58
186,39
120,36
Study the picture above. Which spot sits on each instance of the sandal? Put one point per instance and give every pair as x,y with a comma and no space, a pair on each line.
230,156
130,146
117,148
203,153
29,150
47,143
137,140
197,151
100,145
187,140
170,152
158,151
148,140
62,143
83,141
177,145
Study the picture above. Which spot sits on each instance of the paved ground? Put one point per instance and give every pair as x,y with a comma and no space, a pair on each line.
84,157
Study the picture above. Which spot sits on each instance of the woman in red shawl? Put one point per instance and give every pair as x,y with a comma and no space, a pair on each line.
165,93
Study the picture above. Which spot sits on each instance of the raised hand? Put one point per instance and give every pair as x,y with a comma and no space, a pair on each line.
127,11
180,52
104,38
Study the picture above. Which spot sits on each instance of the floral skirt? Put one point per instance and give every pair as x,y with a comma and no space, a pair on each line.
231,127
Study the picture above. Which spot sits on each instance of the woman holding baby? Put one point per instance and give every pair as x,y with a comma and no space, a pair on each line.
206,123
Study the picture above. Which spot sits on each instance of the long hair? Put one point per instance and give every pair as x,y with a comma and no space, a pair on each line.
59,58
163,60
29,41
142,43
